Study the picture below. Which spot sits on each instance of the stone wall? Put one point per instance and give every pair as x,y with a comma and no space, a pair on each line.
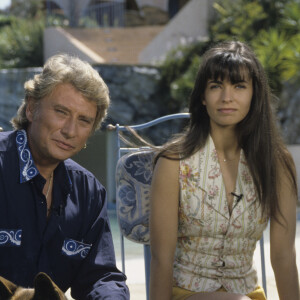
12,92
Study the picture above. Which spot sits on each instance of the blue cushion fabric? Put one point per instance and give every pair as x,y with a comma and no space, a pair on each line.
133,180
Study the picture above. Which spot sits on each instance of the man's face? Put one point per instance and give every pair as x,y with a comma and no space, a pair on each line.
60,125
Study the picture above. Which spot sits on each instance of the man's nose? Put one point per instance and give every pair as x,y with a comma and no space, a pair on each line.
69,129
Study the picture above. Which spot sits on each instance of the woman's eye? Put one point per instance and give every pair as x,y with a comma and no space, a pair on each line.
240,86
214,86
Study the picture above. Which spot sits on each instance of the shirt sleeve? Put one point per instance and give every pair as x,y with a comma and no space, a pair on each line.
98,277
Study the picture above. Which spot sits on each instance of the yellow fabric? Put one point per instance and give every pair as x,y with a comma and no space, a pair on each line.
182,294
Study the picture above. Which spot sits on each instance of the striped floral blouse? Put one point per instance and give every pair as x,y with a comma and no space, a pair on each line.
214,248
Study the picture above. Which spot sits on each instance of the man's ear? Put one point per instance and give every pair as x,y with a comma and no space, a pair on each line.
46,289
30,109
7,288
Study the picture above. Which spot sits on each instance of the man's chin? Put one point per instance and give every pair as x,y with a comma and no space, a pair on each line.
60,156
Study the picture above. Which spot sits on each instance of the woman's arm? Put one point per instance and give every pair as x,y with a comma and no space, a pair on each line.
282,238
163,227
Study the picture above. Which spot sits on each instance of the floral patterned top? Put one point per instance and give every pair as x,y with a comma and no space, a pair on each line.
214,248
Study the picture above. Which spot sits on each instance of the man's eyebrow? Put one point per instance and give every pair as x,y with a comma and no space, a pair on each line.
61,106
91,119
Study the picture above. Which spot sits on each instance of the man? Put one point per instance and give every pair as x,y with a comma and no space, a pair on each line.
53,216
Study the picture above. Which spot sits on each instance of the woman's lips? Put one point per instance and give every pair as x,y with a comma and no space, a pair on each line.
227,110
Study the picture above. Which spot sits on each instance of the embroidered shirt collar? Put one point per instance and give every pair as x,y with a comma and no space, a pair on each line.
28,170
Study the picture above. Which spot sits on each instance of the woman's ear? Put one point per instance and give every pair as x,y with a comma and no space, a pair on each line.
204,102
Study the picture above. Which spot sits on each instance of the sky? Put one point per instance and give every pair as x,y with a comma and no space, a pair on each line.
4,3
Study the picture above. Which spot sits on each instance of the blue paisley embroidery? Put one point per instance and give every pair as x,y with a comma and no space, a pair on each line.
27,168
139,166
75,248
128,196
10,237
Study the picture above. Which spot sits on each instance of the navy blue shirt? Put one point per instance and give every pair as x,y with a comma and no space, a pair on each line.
74,244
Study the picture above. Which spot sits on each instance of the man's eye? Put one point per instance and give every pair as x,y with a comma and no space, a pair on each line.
85,121
60,111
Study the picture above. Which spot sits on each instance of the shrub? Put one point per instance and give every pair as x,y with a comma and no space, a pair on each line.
21,44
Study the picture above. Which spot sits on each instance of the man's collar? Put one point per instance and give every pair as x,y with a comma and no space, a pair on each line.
28,170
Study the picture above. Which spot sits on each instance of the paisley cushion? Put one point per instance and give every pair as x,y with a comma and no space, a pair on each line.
133,180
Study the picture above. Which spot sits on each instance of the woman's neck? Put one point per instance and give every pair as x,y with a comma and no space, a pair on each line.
226,142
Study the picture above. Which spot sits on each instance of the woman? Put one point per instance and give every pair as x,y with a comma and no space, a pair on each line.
215,187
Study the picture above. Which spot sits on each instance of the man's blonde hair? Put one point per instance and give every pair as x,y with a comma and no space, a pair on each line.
61,69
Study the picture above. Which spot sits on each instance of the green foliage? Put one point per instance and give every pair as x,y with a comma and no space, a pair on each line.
57,20
182,87
290,21
274,52
5,20
178,72
26,8
238,21
274,10
179,60
21,44
21,35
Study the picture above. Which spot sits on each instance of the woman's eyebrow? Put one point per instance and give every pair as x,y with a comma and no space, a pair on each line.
214,81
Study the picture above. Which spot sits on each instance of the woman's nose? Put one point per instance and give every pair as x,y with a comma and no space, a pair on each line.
227,95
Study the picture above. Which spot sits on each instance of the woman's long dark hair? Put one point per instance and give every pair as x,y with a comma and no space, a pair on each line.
257,133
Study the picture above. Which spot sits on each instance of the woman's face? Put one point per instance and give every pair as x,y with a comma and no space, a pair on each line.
227,103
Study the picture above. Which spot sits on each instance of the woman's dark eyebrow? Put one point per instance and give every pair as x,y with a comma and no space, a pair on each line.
214,81
221,81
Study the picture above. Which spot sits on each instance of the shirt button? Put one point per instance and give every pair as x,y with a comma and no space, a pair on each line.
219,273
